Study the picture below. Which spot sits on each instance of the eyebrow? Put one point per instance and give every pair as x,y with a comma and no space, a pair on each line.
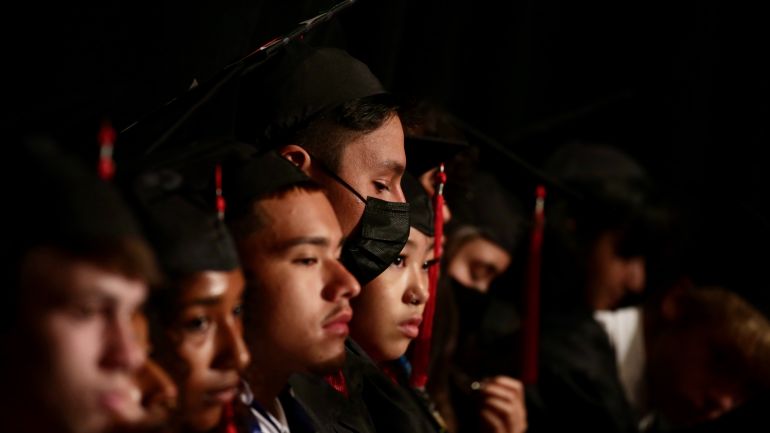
205,301
305,240
394,165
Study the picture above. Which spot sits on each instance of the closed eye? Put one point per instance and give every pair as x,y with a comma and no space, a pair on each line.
197,324
381,186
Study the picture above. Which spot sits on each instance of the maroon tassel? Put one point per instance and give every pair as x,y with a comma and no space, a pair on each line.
421,351
106,138
531,316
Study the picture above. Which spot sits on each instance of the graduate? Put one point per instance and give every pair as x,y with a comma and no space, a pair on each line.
197,311
298,303
75,273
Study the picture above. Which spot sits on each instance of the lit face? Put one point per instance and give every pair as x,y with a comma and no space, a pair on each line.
389,309
610,277
84,342
477,263
372,164
301,291
207,335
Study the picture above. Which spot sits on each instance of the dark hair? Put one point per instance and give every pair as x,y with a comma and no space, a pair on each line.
325,134
252,218
128,256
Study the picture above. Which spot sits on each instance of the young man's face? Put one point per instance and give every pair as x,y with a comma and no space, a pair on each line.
83,338
207,335
610,276
301,290
389,309
477,263
373,165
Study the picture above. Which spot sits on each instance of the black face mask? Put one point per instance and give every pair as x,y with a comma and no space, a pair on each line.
379,239
472,304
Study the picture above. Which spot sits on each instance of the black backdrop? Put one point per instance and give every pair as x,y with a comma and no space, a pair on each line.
683,86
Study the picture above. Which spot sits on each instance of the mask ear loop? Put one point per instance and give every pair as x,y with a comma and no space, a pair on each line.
336,177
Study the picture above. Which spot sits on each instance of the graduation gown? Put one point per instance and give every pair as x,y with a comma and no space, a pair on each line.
578,383
375,403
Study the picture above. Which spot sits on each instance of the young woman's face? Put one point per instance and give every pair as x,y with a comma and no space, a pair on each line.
388,312
207,336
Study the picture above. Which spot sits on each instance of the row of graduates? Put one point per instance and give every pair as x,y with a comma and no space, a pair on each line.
293,279
265,286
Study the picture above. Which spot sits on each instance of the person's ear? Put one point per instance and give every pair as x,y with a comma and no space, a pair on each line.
297,155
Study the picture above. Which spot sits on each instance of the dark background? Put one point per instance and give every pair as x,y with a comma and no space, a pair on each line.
682,86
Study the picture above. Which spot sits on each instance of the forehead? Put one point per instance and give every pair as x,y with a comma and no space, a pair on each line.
382,148
212,286
299,213
61,278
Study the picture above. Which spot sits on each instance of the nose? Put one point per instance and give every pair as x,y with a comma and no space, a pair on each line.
340,283
636,274
398,194
417,287
232,353
125,348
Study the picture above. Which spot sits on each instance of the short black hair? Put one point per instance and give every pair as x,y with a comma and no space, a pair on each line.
325,134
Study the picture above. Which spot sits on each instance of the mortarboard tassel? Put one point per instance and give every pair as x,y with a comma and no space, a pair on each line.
229,418
421,352
338,382
531,316
106,138
220,198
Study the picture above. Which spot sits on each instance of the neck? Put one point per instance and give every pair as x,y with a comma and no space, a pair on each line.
266,384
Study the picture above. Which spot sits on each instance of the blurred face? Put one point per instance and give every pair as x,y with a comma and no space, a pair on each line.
302,292
689,383
389,309
84,342
207,335
372,164
610,276
477,263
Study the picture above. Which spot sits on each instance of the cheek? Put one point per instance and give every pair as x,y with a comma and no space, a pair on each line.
195,355
74,348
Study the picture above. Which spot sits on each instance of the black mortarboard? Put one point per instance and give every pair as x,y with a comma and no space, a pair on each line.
182,225
295,85
617,194
420,208
584,162
53,199
495,213
425,152
252,178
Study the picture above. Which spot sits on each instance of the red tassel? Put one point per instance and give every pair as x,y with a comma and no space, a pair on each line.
229,418
106,138
220,199
531,316
338,382
421,350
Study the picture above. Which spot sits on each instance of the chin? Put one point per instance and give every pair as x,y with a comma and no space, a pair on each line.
328,365
204,419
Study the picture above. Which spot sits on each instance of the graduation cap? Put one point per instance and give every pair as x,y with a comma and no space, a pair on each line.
424,152
56,200
490,209
253,178
420,208
182,224
208,108
296,85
